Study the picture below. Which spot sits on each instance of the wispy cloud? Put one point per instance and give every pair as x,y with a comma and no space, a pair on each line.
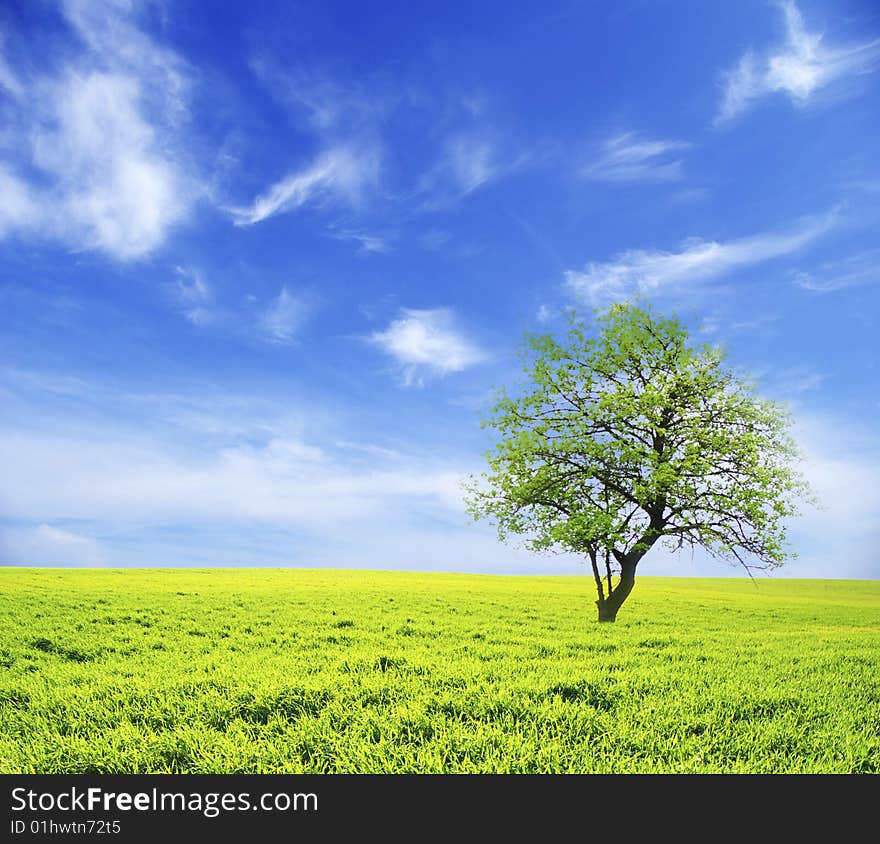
339,174
627,158
200,461
645,271
793,381
467,151
8,79
193,296
46,545
285,481
842,464
368,243
277,321
715,323
344,117
469,161
94,155
544,314
427,341
237,479
799,67
829,276
30,383
330,106
20,210
282,320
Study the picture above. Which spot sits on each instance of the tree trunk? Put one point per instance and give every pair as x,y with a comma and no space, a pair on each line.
606,611
610,604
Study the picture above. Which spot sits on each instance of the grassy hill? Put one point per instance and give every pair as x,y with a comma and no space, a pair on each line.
280,670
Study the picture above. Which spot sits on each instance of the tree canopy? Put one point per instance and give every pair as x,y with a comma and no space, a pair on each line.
630,435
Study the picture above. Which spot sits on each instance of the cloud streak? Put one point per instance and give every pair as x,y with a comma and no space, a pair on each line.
282,320
640,271
627,158
469,161
799,67
340,174
831,276
332,108
368,243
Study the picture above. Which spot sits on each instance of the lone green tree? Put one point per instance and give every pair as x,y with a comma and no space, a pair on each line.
629,436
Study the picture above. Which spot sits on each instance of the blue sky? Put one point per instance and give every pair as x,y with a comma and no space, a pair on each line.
262,265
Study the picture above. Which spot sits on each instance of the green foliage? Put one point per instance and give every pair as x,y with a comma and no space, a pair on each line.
293,671
632,435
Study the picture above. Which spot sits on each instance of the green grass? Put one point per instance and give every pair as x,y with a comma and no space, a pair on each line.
341,671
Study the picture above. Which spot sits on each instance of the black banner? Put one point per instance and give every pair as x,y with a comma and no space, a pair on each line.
288,807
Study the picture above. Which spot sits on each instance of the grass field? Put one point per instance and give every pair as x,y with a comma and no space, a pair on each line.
344,671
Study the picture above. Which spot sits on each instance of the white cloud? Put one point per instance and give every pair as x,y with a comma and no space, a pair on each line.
842,464
469,161
720,323
281,321
331,108
544,314
143,473
792,381
109,29
31,382
232,479
45,545
101,134
277,321
214,418
799,67
339,174
8,79
118,188
862,268
427,341
282,481
18,208
639,271
345,117
627,158
193,296
369,243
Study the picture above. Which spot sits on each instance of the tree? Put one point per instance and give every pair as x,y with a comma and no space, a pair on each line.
633,436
